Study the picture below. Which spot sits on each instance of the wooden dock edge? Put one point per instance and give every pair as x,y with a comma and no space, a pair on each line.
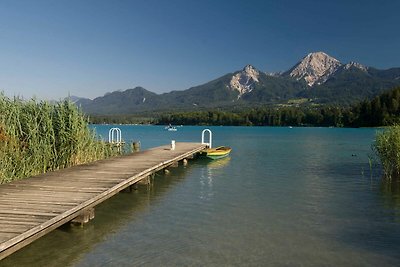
18,242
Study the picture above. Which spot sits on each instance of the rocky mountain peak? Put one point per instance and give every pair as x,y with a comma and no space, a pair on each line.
353,64
250,70
245,80
315,68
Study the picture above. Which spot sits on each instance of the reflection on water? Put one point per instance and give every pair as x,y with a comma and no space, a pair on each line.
211,171
391,196
218,164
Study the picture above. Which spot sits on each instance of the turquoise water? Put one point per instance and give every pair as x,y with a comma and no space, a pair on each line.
285,197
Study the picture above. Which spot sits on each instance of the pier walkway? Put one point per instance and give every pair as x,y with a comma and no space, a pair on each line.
33,207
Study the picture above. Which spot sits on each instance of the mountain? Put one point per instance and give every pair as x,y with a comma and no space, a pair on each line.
245,80
315,68
352,83
121,102
80,100
318,77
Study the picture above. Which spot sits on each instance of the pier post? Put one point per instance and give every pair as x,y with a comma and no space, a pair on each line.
174,165
128,189
145,181
84,217
136,146
185,162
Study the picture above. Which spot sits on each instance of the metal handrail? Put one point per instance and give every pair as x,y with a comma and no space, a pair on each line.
209,144
115,132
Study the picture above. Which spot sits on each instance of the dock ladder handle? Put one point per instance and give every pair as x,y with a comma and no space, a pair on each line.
115,133
209,144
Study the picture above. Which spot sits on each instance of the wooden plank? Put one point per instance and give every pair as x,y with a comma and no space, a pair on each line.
43,198
50,214
36,207
6,236
33,187
6,211
77,184
99,178
12,219
15,229
8,222
57,188
44,193
37,201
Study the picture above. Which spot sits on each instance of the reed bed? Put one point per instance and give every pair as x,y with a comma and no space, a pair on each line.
387,147
36,137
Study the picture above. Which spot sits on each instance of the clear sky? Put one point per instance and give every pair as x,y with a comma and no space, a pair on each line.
50,49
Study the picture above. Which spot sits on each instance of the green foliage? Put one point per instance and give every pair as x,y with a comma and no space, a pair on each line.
122,119
387,147
36,137
260,116
381,111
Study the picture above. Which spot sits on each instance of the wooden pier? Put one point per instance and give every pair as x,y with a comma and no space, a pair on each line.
33,207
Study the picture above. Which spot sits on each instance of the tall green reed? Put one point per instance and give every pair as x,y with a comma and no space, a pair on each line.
387,147
36,137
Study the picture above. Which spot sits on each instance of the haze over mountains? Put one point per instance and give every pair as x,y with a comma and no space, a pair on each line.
318,77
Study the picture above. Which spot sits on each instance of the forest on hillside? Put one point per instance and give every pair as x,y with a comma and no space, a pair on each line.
380,111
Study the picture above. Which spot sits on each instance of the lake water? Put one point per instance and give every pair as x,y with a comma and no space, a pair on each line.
285,197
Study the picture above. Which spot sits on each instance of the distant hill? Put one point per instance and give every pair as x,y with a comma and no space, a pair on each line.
80,100
318,77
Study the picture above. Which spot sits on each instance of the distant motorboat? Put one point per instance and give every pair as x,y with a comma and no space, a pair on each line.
171,128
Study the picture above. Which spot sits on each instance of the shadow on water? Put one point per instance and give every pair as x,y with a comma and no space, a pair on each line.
369,220
390,192
378,231
68,244
351,168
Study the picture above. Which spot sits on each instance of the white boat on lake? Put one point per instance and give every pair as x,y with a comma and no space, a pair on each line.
171,128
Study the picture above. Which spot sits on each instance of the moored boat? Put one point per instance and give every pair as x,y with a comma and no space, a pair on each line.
171,128
216,153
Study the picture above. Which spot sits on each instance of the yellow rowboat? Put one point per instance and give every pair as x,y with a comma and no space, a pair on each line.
216,153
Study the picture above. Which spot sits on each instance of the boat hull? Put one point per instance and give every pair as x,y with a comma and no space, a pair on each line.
217,156
217,153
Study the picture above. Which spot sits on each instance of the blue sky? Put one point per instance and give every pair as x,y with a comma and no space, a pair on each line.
50,49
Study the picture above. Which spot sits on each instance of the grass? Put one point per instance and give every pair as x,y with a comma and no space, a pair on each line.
36,137
387,147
